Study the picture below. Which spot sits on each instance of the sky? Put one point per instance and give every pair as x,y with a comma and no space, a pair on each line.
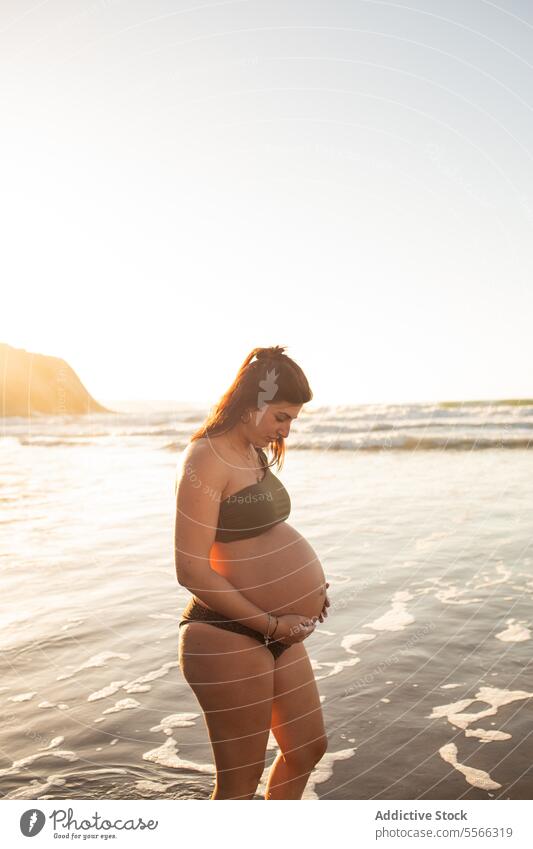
185,180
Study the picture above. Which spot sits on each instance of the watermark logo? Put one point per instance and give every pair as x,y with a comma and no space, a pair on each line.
269,387
32,822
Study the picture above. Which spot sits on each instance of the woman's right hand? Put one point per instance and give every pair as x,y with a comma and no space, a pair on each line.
293,628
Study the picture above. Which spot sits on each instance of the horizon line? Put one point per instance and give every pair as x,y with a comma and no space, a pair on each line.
524,400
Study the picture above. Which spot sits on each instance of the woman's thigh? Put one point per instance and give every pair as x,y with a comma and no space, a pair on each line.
297,719
232,676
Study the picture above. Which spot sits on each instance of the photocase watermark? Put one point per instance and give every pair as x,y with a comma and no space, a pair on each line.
269,387
43,740
99,6
61,392
367,679
436,154
32,822
66,820
505,438
250,498
197,483
296,630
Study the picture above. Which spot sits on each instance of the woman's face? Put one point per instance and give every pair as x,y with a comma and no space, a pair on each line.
273,421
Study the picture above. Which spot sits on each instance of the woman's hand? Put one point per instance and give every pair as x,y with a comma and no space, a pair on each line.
293,628
324,611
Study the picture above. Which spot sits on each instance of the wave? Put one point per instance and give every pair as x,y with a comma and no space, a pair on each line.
510,402
51,442
420,424
397,443
448,426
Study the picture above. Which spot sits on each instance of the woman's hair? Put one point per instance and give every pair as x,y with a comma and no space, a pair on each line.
271,377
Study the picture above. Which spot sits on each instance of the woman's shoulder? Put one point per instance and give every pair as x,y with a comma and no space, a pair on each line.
196,449
211,453
206,454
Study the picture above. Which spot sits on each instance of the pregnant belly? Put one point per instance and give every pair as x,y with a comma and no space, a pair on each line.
278,570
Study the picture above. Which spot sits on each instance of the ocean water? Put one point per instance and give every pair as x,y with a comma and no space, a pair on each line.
421,515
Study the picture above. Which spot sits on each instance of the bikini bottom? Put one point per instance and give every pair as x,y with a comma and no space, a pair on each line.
196,612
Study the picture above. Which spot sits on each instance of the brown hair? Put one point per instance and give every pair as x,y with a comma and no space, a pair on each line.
272,376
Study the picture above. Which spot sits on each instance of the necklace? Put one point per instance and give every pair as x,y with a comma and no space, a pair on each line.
248,457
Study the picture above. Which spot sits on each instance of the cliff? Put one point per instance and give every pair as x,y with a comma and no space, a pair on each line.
34,383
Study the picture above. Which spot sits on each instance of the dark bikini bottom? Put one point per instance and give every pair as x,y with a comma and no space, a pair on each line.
195,612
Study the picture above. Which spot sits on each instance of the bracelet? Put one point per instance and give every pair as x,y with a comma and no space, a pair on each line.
267,635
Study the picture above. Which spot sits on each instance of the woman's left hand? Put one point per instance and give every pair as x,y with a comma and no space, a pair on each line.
324,611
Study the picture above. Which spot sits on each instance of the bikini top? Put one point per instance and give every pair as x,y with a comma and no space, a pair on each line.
253,509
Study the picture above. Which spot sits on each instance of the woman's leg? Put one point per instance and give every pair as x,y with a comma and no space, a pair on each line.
297,724
232,676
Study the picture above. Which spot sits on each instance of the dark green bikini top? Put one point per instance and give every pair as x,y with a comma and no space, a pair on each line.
253,509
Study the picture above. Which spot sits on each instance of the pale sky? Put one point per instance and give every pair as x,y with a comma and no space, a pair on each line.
184,180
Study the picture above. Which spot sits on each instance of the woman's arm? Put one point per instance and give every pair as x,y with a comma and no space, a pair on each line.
198,494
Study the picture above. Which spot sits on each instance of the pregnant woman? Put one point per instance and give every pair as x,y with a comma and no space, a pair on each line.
258,586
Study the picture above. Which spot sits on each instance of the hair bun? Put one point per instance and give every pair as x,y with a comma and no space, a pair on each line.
272,353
